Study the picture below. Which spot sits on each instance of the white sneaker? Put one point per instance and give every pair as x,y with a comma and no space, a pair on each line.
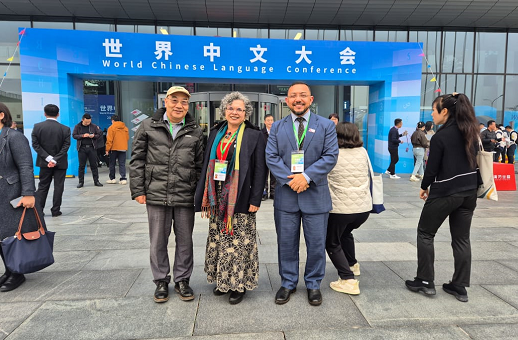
356,269
111,181
414,179
394,176
351,286
419,176
123,182
387,172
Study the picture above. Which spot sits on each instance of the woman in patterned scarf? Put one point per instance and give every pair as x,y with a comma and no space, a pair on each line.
229,194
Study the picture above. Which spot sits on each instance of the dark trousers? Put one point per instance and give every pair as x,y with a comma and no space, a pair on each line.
89,153
459,207
394,158
340,241
287,225
7,271
498,152
120,157
160,219
46,176
510,153
269,188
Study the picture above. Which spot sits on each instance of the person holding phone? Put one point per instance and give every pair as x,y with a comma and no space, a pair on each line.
86,133
17,186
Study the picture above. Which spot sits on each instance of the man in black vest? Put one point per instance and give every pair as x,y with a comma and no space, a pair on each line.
51,140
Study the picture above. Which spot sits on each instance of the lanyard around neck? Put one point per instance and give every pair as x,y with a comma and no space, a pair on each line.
299,142
227,145
171,125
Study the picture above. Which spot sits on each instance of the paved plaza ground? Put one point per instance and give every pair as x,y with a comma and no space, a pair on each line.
101,285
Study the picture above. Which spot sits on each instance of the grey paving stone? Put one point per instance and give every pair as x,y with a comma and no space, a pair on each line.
387,251
13,314
144,285
70,260
493,332
119,259
81,285
119,211
103,242
366,234
494,234
88,203
128,318
255,336
263,315
480,251
399,333
508,293
90,229
482,272
388,306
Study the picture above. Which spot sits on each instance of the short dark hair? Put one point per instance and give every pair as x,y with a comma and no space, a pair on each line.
116,118
428,125
489,122
483,124
51,110
334,115
420,125
508,127
397,121
267,115
86,116
8,119
348,135
298,82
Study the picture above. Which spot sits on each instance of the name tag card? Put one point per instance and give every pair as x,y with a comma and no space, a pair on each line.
297,161
220,170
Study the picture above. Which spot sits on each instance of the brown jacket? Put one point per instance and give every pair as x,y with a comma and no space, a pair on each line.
117,137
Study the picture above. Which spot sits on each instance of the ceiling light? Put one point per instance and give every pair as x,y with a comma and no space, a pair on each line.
163,30
298,36
235,34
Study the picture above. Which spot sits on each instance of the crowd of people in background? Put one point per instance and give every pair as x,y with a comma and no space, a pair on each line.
316,170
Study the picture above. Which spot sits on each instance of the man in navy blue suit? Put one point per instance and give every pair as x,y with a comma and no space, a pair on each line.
302,149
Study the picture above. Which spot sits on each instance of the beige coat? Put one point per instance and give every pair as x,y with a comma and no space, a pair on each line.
349,182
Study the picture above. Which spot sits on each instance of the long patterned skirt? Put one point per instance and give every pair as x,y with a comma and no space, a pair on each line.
232,260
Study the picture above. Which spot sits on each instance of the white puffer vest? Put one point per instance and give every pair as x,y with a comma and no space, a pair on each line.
349,182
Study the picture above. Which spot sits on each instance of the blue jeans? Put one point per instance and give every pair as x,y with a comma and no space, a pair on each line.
419,160
120,156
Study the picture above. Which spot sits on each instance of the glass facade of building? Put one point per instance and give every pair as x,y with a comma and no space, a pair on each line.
483,65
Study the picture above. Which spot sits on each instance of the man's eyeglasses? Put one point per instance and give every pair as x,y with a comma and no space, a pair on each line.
238,110
176,101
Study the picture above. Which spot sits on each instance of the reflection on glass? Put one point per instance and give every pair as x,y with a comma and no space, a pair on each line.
512,53
353,35
250,33
86,26
286,34
431,48
490,52
487,97
391,36
213,31
53,25
511,102
457,52
321,34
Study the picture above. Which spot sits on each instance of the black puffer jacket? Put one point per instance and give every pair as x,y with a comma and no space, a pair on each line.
164,170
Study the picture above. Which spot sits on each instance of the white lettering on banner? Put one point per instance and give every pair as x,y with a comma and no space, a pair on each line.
163,47
347,56
303,55
211,51
126,64
112,48
325,70
258,52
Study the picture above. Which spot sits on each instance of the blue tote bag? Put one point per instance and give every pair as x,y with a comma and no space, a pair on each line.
29,252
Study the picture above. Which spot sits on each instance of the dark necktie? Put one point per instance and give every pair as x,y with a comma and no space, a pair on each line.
301,130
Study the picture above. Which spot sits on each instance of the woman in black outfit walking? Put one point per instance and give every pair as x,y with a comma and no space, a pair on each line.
449,188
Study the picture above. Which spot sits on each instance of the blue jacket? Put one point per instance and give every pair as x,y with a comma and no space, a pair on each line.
320,156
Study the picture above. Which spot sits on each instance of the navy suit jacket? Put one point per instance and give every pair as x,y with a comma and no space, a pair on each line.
320,156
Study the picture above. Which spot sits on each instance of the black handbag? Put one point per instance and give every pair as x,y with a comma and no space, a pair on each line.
28,252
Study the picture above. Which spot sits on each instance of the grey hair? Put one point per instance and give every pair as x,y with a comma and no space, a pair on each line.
229,98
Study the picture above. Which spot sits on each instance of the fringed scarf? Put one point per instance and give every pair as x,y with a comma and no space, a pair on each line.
225,207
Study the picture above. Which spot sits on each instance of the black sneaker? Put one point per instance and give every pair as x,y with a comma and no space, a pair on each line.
458,291
418,285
